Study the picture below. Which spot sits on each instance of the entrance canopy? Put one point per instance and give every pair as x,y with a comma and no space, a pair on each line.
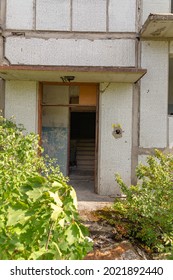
88,74
158,26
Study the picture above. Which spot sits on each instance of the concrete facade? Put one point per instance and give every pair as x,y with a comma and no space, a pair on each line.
115,154
14,10
154,101
93,35
21,103
79,52
154,7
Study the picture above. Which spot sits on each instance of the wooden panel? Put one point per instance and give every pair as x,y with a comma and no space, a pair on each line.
88,95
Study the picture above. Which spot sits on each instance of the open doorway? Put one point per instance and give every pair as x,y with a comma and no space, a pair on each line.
82,145
68,123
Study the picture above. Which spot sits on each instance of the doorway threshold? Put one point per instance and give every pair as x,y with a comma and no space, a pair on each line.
82,175
86,196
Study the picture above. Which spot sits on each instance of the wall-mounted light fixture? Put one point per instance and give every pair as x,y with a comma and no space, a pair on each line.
66,79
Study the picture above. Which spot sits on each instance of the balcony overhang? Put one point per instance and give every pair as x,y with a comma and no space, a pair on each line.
88,74
158,26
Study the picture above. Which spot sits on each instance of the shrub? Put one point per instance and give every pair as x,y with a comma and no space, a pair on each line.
38,209
149,204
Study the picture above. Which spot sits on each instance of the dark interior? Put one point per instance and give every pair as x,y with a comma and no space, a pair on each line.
82,125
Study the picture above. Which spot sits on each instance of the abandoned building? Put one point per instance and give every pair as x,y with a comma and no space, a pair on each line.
94,78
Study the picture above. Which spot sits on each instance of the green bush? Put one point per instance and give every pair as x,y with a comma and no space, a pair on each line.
38,209
149,204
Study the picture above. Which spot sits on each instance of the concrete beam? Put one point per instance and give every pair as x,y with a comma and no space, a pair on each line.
19,50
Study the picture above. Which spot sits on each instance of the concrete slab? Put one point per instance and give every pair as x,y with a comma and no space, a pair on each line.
87,199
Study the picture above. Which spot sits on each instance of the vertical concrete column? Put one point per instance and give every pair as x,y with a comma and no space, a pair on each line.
2,26
115,108
2,13
2,96
136,97
154,95
135,130
1,49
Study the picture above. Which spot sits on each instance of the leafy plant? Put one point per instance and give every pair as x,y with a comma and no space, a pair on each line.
38,209
149,204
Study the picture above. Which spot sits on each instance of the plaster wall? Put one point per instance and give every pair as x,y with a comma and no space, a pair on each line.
170,101
171,49
1,49
89,15
154,95
19,14
155,6
53,15
170,125
142,159
72,15
21,102
81,52
2,97
122,15
114,154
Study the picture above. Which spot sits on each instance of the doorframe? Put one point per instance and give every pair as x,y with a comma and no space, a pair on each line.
40,106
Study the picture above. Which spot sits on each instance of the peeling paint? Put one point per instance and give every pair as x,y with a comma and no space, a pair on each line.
158,32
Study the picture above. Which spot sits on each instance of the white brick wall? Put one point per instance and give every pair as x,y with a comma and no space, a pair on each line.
53,15
21,102
114,154
19,14
154,92
70,52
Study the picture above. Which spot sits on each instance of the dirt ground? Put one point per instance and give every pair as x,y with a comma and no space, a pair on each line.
107,242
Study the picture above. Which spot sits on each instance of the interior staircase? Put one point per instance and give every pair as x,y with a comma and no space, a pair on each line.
85,154
85,159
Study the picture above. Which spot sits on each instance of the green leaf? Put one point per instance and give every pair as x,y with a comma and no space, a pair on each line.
37,254
57,210
58,253
61,222
15,216
56,198
72,233
74,197
56,184
34,194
